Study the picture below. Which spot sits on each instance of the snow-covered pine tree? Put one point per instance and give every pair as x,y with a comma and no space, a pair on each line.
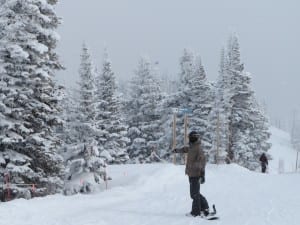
240,95
200,102
166,123
86,89
168,83
193,93
143,113
182,99
80,104
109,118
169,104
218,117
176,100
245,115
85,167
259,135
158,147
28,98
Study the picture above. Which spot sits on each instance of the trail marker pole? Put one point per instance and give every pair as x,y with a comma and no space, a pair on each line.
185,135
174,136
105,178
218,140
297,161
186,112
281,166
7,182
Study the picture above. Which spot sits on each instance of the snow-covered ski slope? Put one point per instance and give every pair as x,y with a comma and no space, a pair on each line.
158,194
282,151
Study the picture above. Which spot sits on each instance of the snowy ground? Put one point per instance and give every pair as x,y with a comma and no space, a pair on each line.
158,194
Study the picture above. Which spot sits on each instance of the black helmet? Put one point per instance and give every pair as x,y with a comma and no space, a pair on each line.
193,136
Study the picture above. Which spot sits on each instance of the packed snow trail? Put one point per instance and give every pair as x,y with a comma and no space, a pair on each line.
159,194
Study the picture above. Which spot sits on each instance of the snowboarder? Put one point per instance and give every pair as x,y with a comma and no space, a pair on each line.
264,162
195,169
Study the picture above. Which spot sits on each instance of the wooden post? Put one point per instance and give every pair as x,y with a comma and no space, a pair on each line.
230,153
281,166
185,135
185,129
174,137
7,182
297,161
293,136
218,140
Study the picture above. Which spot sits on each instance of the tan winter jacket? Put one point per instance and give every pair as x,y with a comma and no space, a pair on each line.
196,160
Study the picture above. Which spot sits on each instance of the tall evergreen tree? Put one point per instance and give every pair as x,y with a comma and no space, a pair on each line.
245,119
109,118
218,117
182,98
259,135
239,99
201,97
194,94
143,113
186,63
85,167
86,88
28,97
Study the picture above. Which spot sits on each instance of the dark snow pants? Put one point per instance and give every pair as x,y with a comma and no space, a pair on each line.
263,167
199,201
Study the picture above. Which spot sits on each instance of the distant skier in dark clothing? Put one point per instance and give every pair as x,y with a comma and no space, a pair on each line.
195,169
264,162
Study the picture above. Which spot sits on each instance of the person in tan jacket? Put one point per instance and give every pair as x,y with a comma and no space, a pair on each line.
195,170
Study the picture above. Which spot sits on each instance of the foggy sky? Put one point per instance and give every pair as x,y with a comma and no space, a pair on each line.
268,31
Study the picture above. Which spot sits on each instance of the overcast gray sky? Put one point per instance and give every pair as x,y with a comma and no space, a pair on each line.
268,31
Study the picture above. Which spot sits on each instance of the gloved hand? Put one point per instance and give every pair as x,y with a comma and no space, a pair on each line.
202,177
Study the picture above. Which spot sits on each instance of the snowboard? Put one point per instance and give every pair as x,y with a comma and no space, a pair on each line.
214,217
210,216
